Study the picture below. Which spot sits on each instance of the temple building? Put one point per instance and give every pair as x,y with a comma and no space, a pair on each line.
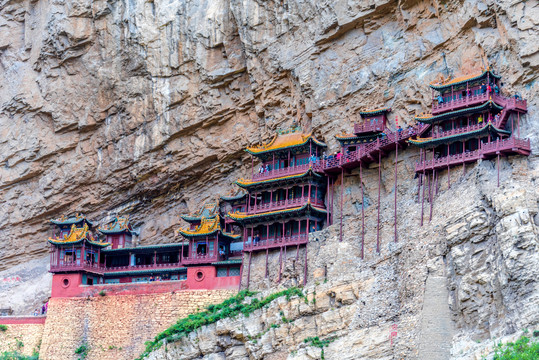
213,257
470,120
373,126
285,200
75,253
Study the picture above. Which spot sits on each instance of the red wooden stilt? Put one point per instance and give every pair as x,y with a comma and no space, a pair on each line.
241,269
327,212
431,194
448,177
362,211
379,182
249,269
280,262
305,271
342,189
498,170
332,197
436,183
396,159
423,198
267,253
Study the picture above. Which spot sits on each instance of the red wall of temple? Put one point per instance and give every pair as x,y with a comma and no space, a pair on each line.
10,320
205,277
200,277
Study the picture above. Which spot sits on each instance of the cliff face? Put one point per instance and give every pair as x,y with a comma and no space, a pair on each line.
146,106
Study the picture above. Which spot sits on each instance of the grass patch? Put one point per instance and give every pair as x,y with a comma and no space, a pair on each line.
82,351
231,307
316,342
15,355
523,349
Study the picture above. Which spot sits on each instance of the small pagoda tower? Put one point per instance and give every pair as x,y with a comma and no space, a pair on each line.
285,200
372,127
209,255
119,232
75,254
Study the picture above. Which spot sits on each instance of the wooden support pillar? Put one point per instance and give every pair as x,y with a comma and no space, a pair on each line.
342,191
332,197
267,253
362,211
423,198
327,204
498,165
241,268
154,258
431,193
280,262
379,185
305,272
396,159
249,269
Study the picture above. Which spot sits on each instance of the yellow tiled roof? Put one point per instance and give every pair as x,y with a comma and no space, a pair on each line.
283,141
77,234
207,226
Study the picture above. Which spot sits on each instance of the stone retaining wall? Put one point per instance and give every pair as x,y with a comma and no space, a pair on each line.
116,327
22,337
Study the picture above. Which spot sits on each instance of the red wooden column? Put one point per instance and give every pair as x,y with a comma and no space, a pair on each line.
379,184
362,211
249,269
423,198
342,190
396,159
267,253
327,204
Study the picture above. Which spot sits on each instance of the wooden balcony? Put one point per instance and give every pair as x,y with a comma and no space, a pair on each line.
277,173
270,243
77,266
203,258
369,127
365,153
283,204
474,100
142,267
506,147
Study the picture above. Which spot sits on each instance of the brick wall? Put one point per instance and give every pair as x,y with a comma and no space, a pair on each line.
116,327
27,335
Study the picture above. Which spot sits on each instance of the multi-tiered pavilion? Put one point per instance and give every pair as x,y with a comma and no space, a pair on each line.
285,200
470,120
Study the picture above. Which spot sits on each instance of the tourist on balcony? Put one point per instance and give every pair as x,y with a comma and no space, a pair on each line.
261,169
480,119
267,168
256,240
338,156
483,88
496,89
469,92
440,99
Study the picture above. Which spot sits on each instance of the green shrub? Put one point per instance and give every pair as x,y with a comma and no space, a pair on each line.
316,342
82,351
3,327
231,307
522,349
102,293
15,355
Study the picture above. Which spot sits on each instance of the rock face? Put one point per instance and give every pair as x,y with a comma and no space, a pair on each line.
145,107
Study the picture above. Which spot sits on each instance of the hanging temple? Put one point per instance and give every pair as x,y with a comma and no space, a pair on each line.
291,193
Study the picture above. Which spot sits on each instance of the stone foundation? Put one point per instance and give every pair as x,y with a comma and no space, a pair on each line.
24,338
113,327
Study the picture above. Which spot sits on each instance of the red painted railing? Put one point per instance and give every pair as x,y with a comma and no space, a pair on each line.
277,242
457,131
283,204
365,150
143,267
203,258
486,149
276,173
371,126
467,101
74,266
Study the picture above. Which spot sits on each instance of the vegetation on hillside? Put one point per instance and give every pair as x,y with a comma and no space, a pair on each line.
229,308
15,355
523,349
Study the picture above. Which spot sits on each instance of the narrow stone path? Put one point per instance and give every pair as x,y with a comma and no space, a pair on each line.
436,324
